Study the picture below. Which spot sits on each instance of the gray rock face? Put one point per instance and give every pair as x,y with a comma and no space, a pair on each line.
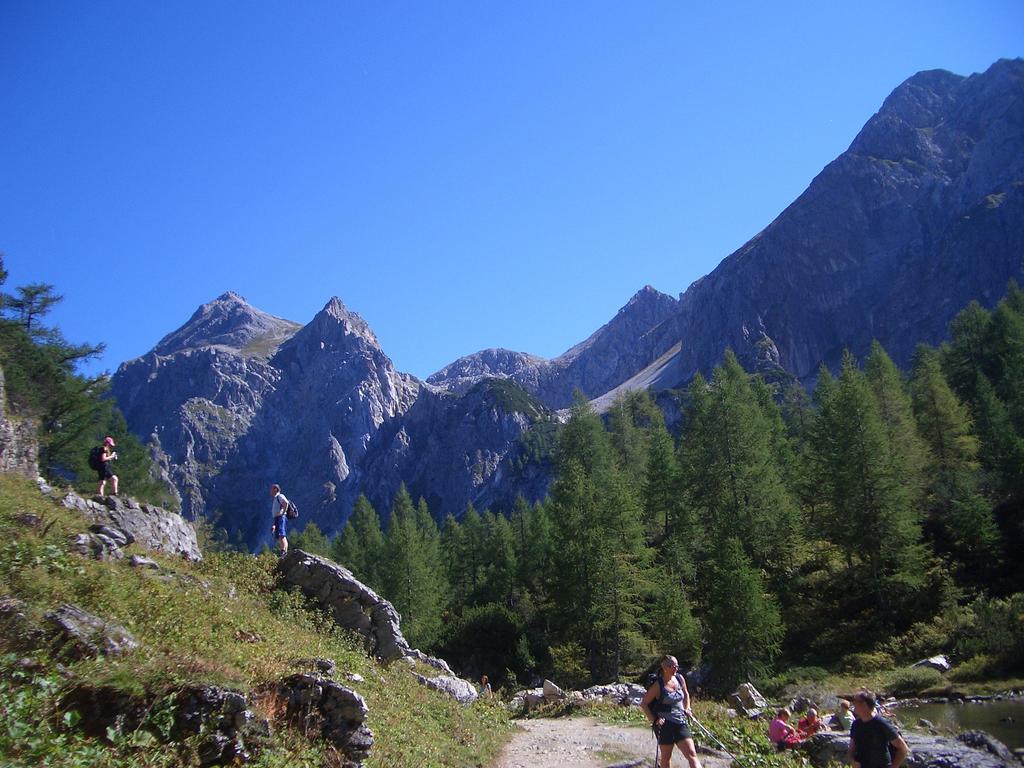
19,440
352,604
123,521
338,712
925,752
922,214
605,359
82,635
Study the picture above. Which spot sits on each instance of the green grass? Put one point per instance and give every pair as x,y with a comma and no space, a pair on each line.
221,622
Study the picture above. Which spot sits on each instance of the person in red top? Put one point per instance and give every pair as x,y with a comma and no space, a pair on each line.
810,725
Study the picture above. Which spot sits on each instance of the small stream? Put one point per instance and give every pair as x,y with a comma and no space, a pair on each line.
1004,718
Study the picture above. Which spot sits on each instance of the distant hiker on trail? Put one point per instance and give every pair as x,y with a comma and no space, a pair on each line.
781,733
278,508
105,470
667,705
871,736
485,688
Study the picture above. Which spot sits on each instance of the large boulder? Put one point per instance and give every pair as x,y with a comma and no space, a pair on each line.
461,690
151,528
352,604
616,693
939,662
925,752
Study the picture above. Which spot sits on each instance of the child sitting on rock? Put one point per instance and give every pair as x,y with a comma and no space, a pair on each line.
781,733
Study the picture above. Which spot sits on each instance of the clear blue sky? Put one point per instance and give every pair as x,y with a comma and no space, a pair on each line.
463,174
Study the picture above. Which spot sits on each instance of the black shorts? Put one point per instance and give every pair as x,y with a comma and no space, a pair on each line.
671,733
105,472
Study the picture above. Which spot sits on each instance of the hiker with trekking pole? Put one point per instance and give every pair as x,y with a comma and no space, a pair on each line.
667,705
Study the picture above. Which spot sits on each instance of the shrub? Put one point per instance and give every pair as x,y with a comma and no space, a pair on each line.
872,661
913,680
567,667
977,669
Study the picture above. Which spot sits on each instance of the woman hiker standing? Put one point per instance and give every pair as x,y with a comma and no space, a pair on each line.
667,705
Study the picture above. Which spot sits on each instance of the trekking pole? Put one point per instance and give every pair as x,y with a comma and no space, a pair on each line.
704,729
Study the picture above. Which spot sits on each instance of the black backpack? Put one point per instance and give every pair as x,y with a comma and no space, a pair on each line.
292,511
96,458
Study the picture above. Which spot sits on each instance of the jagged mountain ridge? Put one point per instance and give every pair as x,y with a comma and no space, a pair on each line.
923,213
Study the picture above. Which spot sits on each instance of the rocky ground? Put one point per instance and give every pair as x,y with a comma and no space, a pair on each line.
583,742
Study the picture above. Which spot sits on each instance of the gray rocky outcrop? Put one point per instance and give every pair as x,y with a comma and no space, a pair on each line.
339,713
624,694
19,439
925,752
351,603
461,690
120,521
80,634
355,606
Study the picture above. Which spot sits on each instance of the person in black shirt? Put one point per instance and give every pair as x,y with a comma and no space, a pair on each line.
872,735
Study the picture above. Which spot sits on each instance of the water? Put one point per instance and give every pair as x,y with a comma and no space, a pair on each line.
988,716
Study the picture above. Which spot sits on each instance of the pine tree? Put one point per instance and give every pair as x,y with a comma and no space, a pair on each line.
600,569
909,453
411,576
731,469
744,629
311,539
500,572
360,546
871,518
961,516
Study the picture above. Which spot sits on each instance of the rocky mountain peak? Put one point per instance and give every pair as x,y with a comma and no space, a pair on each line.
228,321
335,328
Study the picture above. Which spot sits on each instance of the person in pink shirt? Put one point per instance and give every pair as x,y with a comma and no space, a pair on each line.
781,733
810,725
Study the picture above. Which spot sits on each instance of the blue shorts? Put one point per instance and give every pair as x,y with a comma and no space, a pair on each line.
280,526
672,733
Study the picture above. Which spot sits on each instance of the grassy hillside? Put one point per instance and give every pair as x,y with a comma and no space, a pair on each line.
221,622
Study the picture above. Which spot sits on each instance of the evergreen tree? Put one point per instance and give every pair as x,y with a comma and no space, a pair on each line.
360,546
599,573
730,466
959,514
964,356
744,630
500,572
311,539
909,453
871,519
411,575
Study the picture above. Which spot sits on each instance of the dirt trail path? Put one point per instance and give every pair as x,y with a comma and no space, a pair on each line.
582,742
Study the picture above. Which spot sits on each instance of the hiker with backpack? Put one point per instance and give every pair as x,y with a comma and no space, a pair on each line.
667,705
101,459
279,511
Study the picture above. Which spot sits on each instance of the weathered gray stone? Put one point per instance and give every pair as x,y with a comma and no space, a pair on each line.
339,713
617,693
149,527
19,439
137,561
461,690
96,546
115,535
552,692
81,634
940,662
351,603
925,752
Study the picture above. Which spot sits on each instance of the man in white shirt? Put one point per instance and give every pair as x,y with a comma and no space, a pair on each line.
278,508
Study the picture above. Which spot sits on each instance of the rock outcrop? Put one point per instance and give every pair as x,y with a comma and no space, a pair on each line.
119,521
80,634
339,713
19,440
355,606
925,752
351,603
